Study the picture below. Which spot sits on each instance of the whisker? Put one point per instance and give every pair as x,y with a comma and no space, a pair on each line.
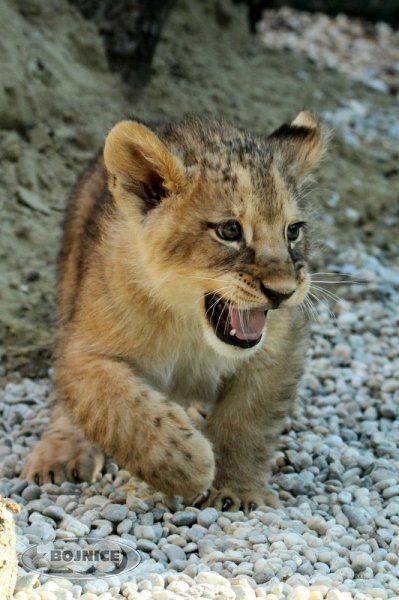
220,316
312,309
217,299
210,279
304,304
331,313
332,273
352,281
328,293
307,312
240,315
228,320
350,278
213,309
222,297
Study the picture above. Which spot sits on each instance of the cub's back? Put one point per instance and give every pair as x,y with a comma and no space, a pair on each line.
89,200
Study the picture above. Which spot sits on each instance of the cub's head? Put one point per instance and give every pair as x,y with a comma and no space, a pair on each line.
219,230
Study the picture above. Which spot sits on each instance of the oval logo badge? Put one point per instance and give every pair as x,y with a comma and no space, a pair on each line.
81,558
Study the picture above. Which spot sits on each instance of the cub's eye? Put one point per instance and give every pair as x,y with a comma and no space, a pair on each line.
293,231
230,231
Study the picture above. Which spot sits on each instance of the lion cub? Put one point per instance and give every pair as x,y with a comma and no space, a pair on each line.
183,269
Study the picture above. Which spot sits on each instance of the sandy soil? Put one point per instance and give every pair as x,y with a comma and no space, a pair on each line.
58,99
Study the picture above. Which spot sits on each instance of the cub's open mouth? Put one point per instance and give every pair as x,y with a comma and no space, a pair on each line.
238,327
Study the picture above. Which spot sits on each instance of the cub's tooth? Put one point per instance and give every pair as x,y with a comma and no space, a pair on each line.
233,332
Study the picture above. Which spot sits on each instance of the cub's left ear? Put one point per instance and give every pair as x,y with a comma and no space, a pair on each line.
300,145
140,167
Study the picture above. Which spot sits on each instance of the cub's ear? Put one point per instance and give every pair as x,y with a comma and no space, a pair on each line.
300,145
139,164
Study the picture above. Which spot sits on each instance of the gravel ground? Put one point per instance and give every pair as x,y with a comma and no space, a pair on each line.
368,52
336,535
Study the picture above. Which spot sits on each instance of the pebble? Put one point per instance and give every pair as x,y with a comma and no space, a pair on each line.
145,532
174,552
360,561
146,545
54,512
115,512
184,517
207,517
210,578
31,492
391,492
74,526
96,586
299,593
137,505
243,592
358,517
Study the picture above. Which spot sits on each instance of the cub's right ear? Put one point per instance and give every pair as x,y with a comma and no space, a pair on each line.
300,145
140,165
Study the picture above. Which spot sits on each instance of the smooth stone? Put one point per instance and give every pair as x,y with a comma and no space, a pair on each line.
392,509
391,492
73,525
97,501
69,488
54,512
115,512
243,592
210,578
137,505
146,519
360,561
293,539
16,487
31,492
207,517
184,517
178,565
124,526
96,586
146,545
102,531
174,552
145,532
162,595
299,593
358,517
196,533
179,587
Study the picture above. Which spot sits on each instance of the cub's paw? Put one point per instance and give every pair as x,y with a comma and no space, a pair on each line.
198,413
226,499
55,460
181,461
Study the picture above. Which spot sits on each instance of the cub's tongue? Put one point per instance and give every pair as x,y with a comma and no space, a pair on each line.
248,324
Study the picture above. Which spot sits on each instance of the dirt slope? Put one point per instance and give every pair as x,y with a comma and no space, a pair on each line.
58,99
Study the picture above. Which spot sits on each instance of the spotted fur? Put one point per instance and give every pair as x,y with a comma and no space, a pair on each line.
135,346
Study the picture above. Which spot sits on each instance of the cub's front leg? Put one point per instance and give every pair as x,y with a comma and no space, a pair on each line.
244,428
147,434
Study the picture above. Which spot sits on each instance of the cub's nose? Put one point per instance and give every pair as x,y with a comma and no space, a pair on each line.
275,296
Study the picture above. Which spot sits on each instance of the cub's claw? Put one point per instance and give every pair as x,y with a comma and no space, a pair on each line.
55,461
226,499
199,500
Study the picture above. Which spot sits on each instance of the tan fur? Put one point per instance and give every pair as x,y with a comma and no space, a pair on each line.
135,347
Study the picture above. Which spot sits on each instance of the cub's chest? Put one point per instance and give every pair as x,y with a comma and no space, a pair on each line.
192,375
